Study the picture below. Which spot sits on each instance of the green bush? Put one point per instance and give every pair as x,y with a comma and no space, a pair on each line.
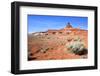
77,47
77,39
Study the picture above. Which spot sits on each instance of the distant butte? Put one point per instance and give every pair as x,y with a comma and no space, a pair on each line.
69,25
64,31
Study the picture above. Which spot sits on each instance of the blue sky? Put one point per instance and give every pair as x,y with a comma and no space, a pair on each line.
40,23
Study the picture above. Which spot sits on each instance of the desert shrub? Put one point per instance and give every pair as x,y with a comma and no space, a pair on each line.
47,49
31,54
44,50
77,47
69,39
62,44
51,48
77,39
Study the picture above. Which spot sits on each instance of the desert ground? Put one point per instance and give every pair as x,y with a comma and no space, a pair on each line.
58,46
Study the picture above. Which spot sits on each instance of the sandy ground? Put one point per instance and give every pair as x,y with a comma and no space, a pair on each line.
53,47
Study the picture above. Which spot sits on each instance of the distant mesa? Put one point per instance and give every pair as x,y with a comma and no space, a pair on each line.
64,31
69,25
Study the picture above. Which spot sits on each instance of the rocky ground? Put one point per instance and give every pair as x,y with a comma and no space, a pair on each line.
53,47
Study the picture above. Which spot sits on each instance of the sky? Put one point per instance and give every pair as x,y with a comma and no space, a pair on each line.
41,23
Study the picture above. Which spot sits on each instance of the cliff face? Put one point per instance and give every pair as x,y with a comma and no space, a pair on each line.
51,45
